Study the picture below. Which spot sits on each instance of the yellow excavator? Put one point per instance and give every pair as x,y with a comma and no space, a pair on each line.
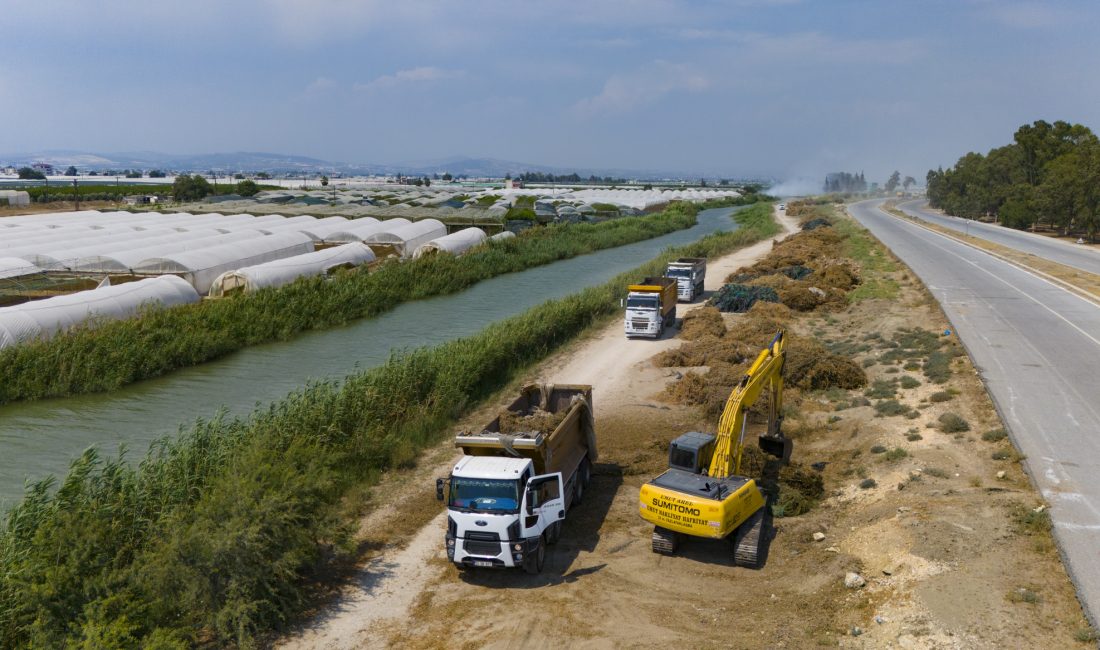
701,494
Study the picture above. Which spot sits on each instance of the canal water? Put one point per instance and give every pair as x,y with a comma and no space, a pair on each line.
43,437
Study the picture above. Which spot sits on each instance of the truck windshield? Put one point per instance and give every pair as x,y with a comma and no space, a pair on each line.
679,273
484,494
639,302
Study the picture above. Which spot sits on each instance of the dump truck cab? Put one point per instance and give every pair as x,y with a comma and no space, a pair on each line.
518,478
499,511
650,307
690,274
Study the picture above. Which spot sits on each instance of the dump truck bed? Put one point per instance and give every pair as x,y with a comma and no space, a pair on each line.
665,287
564,409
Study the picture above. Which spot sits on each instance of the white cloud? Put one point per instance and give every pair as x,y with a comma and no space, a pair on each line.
423,74
624,92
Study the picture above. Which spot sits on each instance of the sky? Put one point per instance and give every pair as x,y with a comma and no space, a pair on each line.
786,89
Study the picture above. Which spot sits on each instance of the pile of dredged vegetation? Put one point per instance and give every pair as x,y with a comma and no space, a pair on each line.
214,536
117,353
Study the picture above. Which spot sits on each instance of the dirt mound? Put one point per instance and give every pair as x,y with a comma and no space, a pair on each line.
705,321
539,421
705,351
814,224
838,275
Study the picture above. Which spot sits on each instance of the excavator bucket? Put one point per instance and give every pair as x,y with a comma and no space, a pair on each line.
777,446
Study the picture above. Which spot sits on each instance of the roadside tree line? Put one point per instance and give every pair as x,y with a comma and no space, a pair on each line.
1048,176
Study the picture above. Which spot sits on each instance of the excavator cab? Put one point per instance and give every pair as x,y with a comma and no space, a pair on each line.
691,452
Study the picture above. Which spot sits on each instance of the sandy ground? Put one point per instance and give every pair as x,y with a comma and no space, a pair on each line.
388,584
941,538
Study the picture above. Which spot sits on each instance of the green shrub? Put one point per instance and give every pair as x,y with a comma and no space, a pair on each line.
909,382
895,454
941,396
953,423
994,435
913,436
890,407
867,483
878,449
936,472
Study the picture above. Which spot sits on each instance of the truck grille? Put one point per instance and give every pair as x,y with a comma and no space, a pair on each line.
477,543
639,324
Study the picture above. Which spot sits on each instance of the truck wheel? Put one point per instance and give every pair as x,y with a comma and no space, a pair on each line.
586,469
578,486
533,566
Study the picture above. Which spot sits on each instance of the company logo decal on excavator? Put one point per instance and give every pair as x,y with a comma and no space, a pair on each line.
665,504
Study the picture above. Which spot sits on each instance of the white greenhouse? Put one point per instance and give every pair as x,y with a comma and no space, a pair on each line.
406,238
281,272
357,229
13,267
504,234
455,243
202,267
42,319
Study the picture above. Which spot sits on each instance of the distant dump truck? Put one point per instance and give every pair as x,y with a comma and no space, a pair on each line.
689,273
650,307
518,478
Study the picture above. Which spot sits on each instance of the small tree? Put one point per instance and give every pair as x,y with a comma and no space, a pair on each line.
909,180
191,188
156,173
263,176
447,176
71,171
30,174
893,182
427,182
324,181
247,188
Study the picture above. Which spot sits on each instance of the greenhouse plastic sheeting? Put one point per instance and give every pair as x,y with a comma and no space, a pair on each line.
407,238
357,229
455,243
280,272
122,260
13,267
43,318
202,267
505,234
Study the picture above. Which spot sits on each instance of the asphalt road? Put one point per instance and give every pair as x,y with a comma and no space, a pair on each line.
1037,348
1055,250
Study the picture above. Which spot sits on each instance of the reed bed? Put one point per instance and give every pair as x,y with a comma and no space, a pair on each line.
113,354
214,537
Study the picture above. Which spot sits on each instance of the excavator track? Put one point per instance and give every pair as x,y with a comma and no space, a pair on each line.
747,540
665,541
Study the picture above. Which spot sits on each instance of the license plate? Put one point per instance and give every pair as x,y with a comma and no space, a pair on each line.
482,563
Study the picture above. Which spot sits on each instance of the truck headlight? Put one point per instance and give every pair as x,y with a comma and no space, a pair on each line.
450,541
517,547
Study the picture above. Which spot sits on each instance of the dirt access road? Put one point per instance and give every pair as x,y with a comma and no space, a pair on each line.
941,525
387,587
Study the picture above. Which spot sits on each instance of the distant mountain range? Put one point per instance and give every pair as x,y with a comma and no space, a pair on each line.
251,161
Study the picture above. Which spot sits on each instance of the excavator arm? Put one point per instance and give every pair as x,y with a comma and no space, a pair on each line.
765,373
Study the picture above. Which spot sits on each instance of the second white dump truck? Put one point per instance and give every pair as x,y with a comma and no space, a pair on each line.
518,478
689,273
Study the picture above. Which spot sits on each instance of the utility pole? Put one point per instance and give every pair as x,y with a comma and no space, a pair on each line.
76,195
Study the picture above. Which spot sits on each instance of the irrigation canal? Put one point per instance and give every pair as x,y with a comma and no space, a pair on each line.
43,437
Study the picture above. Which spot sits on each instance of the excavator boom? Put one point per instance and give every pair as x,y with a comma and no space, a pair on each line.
765,372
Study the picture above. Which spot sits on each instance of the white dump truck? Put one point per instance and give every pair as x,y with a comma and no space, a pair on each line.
689,273
518,478
650,307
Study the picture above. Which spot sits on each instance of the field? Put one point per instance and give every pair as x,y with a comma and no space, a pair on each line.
923,497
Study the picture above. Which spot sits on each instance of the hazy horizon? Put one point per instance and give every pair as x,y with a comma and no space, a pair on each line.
778,88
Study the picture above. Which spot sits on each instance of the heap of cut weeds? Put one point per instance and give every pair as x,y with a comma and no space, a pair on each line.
808,366
705,321
800,488
537,421
804,271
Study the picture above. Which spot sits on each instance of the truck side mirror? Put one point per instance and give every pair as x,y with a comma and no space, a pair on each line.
622,303
439,489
